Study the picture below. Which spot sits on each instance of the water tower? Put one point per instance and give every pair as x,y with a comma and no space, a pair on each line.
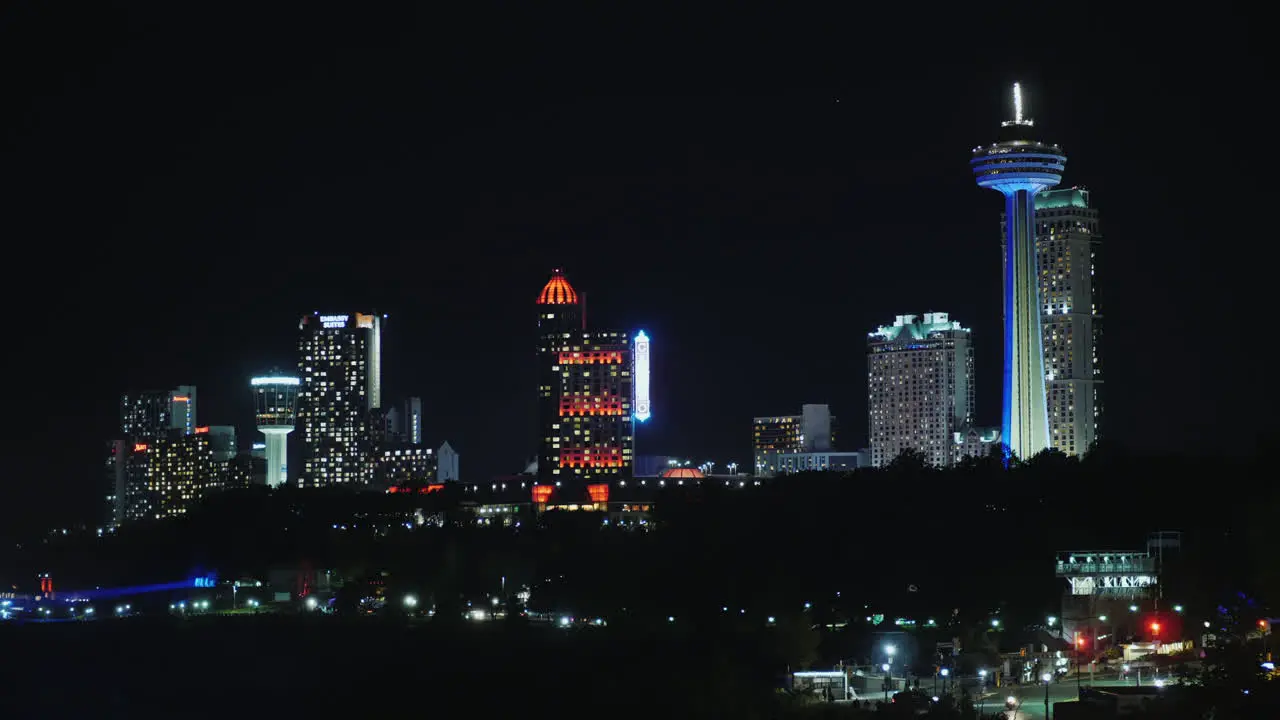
275,409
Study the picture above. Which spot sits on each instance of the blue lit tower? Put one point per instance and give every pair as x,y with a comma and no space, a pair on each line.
1019,167
275,410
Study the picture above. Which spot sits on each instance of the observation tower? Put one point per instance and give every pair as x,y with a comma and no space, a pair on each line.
1020,166
275,408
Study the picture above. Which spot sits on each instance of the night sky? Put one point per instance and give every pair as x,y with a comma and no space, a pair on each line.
757,192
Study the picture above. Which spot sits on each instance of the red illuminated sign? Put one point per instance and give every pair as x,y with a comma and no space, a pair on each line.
542,493
181,398
432,488
140,447
203,429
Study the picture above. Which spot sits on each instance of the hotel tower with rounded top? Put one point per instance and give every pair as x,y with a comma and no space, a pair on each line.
1019,166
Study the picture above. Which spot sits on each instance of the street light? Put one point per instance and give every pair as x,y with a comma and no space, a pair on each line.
890,650
1046,678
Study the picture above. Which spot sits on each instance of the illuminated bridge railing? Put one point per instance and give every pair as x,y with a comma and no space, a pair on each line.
1128,565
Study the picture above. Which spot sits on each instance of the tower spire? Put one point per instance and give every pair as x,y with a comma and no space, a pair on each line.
1017,109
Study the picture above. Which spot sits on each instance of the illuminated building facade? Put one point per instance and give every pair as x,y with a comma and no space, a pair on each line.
339,365
144,416
1067,245
405,465
177,471
155,412
919,387
790,463
585,391
1019,167
976,442
812,431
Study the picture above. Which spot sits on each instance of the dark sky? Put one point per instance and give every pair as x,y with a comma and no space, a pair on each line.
181,182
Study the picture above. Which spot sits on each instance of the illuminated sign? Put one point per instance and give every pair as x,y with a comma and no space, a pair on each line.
203,429
1092,584
642,377
259,446
334,321
275,381
205,582
181,398
140,447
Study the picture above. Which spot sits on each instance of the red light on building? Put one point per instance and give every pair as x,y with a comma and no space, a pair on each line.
599,492
558,291
604,357
542,493
140,447
1155,628
597,457
203,429
588,406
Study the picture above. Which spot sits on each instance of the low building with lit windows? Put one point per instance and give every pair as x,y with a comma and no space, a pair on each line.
404,464
812,431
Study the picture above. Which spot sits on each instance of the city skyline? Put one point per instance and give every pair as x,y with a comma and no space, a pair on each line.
755,226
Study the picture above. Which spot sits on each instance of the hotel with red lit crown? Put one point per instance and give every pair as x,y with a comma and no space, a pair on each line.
585,393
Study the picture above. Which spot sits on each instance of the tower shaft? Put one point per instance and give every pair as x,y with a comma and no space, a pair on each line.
1025,422
277,455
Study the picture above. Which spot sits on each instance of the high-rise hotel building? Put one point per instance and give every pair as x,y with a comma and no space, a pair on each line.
176,470
1067,246
920,387
339,362
584,392
144,417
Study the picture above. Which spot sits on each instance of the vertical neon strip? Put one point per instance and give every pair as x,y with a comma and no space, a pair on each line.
641,379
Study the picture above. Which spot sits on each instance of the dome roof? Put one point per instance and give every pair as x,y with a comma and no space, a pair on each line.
558,291
683,473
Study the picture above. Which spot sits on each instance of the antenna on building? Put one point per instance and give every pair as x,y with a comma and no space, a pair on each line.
1017,109
583,311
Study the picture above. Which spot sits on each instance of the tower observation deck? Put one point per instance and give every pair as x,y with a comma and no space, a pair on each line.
1018,166
275,411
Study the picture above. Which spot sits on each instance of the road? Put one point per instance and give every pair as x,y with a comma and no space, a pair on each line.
1031,698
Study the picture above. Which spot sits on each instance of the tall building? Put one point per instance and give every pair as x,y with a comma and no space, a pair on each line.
1019,166
812,431
413,421
117,478
144,416
340,358
177,471
1067,244
155,412
584,391
919,388
275,409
